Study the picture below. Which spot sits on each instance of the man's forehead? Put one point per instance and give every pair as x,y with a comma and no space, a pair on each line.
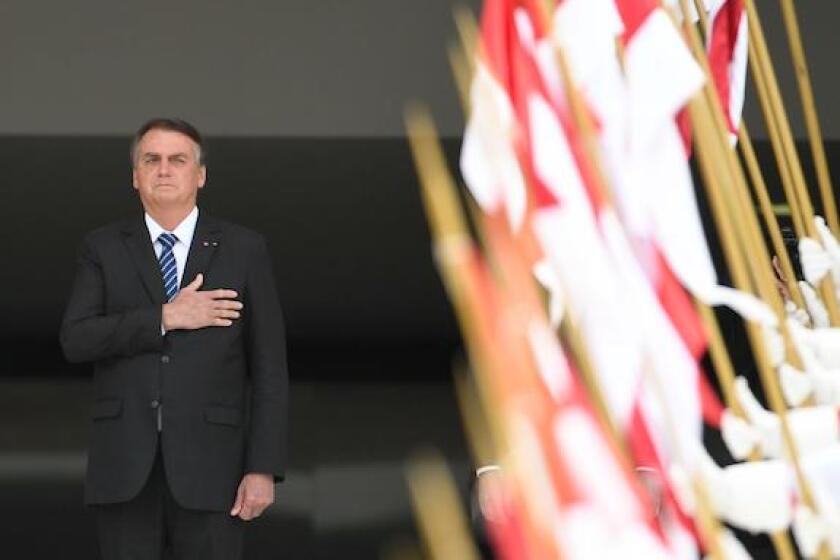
166,141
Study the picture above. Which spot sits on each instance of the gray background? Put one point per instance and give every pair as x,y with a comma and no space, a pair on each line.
323,68
279,68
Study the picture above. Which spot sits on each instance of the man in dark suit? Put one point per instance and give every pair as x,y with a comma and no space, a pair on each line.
179,313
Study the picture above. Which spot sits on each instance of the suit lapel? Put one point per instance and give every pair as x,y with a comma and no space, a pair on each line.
206,240
136,238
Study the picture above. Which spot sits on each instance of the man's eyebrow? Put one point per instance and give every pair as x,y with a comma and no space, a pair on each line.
156,154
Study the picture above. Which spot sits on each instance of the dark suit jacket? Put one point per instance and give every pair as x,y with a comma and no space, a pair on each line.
222,390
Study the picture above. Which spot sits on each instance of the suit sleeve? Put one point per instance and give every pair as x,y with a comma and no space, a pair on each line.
265,338
88,334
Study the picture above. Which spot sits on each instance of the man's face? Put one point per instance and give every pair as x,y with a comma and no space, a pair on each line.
166,171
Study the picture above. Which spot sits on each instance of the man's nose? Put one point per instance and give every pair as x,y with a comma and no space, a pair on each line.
163,167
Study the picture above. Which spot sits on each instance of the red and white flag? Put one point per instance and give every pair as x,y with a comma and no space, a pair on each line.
579,498
727,48
622,320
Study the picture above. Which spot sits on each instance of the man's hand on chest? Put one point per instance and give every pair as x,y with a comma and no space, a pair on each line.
194,309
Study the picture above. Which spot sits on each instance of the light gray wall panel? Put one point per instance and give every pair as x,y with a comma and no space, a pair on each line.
278,68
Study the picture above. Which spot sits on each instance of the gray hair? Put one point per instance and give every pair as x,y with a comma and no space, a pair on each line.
174,125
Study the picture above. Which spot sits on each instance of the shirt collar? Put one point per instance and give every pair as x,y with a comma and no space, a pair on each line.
183,231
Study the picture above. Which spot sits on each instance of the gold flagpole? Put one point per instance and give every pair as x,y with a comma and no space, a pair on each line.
745,222
709,524
809,109
569,331
769,87
713,152
705,141
785,172
444,527
721,361
476,427
770,221
462,73
771,90
760,189
453,245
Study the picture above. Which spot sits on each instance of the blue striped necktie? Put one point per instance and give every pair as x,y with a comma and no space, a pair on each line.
168,266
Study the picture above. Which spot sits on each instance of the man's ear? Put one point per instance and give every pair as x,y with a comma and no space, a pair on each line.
202,176
134,178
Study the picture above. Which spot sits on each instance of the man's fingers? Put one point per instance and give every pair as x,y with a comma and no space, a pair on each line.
221,293
255,496
237,504
217,322
227,314
247,512
260,508
252,508
227,304
196,283
777,266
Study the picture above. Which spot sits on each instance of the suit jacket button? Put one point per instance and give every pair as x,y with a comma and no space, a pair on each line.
155,403
164,359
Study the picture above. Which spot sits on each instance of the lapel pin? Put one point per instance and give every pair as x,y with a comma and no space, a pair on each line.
206,244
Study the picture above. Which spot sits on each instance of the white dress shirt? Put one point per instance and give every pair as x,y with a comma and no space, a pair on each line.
184,232
181,249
